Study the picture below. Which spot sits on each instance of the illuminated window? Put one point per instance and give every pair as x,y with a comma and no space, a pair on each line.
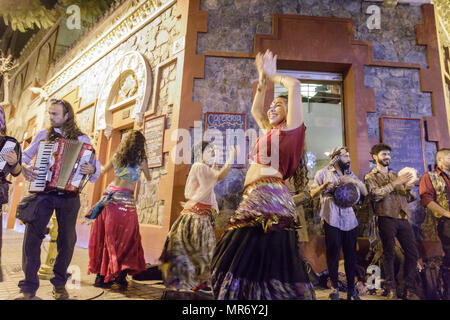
322,114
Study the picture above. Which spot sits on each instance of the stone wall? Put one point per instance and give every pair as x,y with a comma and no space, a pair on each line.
226,86
155,43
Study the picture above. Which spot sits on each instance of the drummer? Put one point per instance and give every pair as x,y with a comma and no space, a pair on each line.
390,195
339,220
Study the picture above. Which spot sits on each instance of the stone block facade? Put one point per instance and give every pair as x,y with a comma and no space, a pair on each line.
227,83
155,43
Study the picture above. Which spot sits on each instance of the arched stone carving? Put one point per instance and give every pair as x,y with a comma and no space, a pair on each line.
131,63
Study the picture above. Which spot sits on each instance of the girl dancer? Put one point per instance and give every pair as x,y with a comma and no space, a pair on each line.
186,258
258,256
115,247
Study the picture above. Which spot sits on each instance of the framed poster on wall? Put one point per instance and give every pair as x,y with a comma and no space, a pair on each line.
405,136
154,130
225,130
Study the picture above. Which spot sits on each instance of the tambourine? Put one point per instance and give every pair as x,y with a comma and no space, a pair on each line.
346,195
414,173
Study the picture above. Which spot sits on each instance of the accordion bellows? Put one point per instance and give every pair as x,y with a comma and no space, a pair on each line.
59,164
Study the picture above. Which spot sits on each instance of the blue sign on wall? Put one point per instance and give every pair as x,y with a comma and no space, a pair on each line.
405,136
225,130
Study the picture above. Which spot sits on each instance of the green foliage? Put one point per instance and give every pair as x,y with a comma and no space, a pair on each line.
443,9
23,15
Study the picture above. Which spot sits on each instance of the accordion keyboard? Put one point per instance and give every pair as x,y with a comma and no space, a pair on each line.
7,147
42,162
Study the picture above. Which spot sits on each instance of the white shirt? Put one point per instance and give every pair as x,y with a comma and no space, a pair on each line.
341,218
200,186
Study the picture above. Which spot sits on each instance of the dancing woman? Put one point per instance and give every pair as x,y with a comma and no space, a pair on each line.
257,258
187,254
115,247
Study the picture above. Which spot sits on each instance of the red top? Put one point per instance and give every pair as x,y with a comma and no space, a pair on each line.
290,149
426,189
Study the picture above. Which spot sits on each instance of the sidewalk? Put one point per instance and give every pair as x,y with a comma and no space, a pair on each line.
137,290
12,273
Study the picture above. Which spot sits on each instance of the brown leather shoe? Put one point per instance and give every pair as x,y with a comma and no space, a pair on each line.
60,293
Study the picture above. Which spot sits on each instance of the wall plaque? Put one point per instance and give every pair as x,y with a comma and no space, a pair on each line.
154,129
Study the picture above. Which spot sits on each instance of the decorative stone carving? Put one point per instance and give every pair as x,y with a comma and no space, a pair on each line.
138,85
129,87
144,13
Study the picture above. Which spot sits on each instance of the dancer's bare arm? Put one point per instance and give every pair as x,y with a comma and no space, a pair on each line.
294,118
144,168
258,112
226,168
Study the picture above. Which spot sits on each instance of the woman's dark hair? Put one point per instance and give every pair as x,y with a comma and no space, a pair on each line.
284,96
300,177
131,150
70,128
197,151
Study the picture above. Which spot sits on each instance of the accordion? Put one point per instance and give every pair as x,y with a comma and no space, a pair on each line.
7,144
59,164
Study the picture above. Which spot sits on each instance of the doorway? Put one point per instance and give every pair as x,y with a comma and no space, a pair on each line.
323,114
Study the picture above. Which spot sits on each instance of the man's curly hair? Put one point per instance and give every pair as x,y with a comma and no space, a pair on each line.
70,127
131,151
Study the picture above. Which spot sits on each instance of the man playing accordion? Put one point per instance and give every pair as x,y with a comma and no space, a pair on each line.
65,204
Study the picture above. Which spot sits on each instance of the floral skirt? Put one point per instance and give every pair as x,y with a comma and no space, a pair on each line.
258,257
188,250
115,242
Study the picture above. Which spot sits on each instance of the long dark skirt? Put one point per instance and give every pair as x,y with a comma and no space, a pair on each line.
252,263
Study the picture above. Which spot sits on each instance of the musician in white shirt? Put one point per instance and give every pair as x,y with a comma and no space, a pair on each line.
65,205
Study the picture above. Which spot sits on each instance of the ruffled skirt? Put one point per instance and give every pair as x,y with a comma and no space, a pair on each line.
188,250
258,257
115,242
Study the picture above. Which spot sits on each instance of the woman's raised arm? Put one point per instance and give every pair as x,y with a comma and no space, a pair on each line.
258,101
294,118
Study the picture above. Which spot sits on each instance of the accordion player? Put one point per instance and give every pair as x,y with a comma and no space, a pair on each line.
59,164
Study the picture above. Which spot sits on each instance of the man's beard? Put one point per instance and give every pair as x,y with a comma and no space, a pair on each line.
446,168
385,162
344,166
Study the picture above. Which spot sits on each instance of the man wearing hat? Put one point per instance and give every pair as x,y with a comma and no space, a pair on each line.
390,195
340,223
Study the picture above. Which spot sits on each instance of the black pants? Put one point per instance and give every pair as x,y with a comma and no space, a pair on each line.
66,209
389,229
443,229
335,239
